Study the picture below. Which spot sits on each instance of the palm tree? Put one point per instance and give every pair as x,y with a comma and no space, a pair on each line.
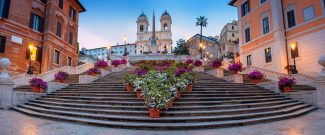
202,22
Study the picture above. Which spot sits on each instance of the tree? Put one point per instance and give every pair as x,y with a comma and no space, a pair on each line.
181,48
202,22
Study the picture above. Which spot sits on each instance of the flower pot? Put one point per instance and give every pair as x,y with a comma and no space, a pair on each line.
170,103
256,81
62,81
138,94
128,87
286,89
235,72
93,74
189,88
154,113
179,93
37,89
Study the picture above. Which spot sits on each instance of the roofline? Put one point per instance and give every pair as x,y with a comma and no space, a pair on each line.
83,8
231,3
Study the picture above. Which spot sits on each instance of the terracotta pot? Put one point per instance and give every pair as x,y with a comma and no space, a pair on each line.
179,94
138,94
128,87
93,74
154,113
235,72
37,89
62,81
286,89
256,81
189,88
170,103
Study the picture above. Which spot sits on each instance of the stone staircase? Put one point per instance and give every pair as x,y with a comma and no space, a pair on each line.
213,103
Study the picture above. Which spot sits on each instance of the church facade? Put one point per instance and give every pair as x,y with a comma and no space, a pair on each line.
154,42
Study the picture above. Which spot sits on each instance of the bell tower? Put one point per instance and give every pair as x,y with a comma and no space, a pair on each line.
165,21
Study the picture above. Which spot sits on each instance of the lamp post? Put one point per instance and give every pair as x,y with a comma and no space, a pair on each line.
108,51
125,38
201,50
294,55
30,67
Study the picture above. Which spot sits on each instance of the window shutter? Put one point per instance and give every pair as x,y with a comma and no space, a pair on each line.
2,44
39,54
27,54
42,23
249,7
31,20
6,9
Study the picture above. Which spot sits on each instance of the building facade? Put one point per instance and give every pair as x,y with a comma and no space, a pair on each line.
210,46
125,49
154,41
274,33
41,31
97,53
229,38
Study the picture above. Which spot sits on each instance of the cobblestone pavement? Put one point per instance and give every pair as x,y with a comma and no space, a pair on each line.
13,123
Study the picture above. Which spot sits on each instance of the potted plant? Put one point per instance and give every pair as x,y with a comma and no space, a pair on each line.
286,82
101,64
123,61
189,61
61,76
190,78
156,99
256,76
236,67
38,84
216,63
115,63
128,80
93,71
197,63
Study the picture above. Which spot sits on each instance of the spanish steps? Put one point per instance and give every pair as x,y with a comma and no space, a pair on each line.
213,103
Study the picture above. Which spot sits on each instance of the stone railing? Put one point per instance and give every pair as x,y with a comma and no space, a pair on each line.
156,57
49,76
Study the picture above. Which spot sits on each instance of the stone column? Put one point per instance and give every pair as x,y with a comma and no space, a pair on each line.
6,85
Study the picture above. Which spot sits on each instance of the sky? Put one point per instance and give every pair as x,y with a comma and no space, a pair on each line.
108,21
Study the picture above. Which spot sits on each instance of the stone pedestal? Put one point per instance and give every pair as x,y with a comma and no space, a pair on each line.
198,69
320,81
219,73
238,78
6,94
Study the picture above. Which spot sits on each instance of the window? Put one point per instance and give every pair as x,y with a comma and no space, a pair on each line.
36,22
69,62
268,55
262,1
245,9
70,38
2,44
266,25
58,29
232,27
56,57
44,1
249,60
233,35
141,28
291,19
72,13
309,13
4,8
60,4
247,35
165,26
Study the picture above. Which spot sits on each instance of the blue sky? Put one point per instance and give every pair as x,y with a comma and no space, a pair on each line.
107,21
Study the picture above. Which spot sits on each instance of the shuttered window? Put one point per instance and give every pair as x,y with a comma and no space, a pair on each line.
268,55
69,63
247,35
36,22
56,57
291,18
2,44
70,38
4,8
60,4
72,13
245,9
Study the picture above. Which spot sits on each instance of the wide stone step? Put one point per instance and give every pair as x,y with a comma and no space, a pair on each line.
178,119
176,113
168,126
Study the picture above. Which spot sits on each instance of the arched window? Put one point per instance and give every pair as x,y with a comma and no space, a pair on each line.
141,28
165,26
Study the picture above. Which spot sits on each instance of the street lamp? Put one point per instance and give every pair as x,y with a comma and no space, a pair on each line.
125,38
201,50
293,46
30,67
108,51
